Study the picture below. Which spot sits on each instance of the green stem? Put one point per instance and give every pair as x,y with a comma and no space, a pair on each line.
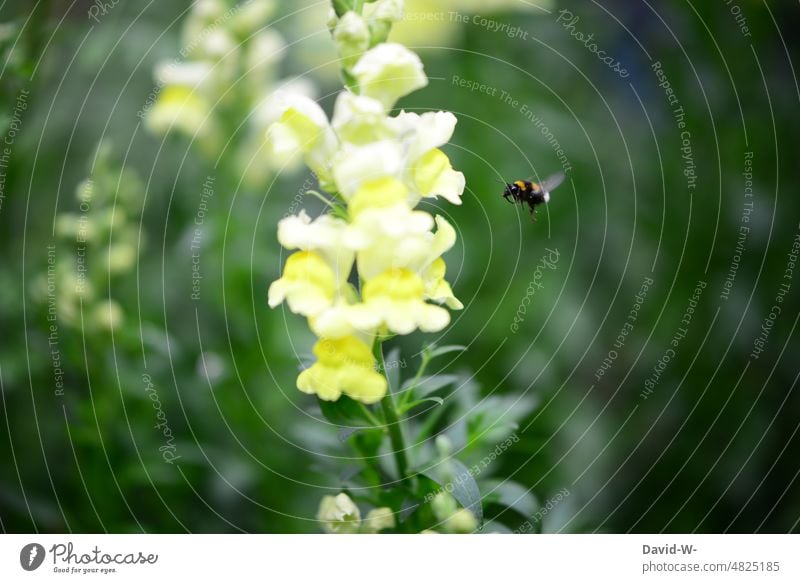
370,417
408,394
392,419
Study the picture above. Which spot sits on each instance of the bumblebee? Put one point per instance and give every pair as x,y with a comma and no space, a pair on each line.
532,193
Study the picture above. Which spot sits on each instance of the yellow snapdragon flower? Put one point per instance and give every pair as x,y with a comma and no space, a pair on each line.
308,284
344,366
397,296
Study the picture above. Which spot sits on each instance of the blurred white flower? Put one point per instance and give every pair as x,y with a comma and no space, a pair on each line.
304,127
229,63
388,10
250,16
338,514
388,72
379,519
462,521
108,315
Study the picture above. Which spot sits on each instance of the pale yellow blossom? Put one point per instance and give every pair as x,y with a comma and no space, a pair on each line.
344,366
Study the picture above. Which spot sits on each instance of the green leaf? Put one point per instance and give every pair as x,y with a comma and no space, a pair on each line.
429,384
407,407
511,495
492,420
344,412
462,486
368,440
407,508
442,350
344,434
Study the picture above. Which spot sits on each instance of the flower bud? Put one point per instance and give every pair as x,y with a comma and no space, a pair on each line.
352,38
251,16
444,446
339,514
379,519
389,10
381,15
444,506
121,257
108,315
461,521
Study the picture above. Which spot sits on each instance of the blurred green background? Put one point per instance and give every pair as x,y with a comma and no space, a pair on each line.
706,441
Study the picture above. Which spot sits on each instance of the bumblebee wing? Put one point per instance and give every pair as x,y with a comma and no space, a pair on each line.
552,182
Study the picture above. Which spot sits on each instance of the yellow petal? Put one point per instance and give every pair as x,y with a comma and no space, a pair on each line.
344,366
434,176
308,284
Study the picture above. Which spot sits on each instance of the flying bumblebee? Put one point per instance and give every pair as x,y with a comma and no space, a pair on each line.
532,193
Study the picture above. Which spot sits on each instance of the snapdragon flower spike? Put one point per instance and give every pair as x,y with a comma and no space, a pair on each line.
379,167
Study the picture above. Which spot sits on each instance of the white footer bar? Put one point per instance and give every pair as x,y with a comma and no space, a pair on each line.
389,558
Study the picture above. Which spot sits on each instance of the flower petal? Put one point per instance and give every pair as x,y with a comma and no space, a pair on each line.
389,71
434,176
344,366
